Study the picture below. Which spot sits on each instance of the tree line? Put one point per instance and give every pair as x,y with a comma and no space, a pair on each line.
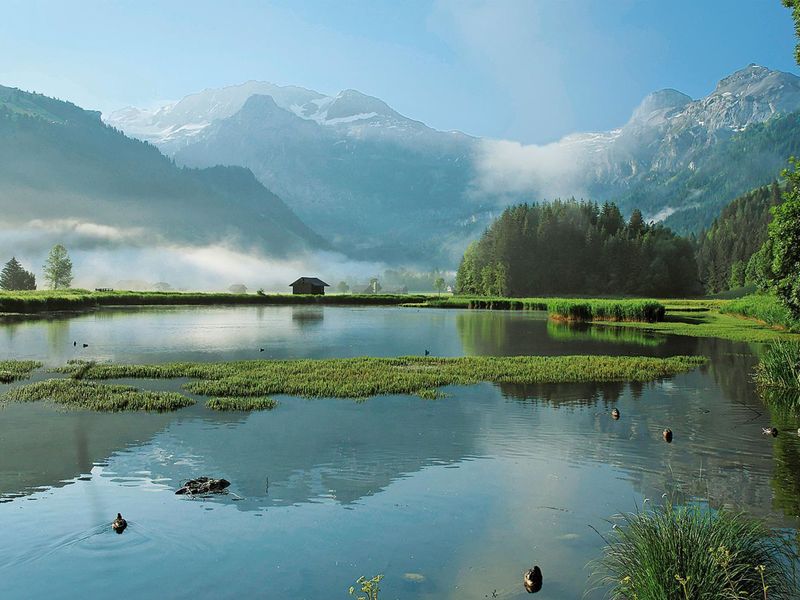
577,247
57,272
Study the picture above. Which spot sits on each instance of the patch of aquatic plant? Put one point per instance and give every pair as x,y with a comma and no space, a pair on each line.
241,403
365,377
369,587
76,393
650,311
779,366
691,552
563,308
77,300
14,370
576,332
763,307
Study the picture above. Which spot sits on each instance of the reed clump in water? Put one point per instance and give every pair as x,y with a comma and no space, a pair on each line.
366,376
14,370
241,403
76,393
691,552
779,367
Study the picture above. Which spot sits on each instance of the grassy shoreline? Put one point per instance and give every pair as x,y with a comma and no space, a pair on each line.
749,319
43,301
248,385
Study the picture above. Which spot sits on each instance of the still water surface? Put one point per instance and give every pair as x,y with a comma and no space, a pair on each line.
452,498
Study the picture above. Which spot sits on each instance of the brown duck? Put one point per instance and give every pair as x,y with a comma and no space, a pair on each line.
119,524
532,579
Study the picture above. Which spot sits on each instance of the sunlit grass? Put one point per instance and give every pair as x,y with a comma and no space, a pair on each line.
765,308
14,370
365,377
75,393
710,323
691,552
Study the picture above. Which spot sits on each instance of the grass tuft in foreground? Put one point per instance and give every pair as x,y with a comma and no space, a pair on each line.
690,552
243,404
14,370
365,377
779,367
75,393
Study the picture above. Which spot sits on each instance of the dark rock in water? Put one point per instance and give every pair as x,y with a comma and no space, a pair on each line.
203,485
119,524
532,579
667,435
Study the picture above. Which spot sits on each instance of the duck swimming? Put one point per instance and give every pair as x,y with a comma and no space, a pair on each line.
667,435
532,579
615,414
119,524
769,431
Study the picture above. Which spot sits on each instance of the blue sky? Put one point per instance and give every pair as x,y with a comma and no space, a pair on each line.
527,70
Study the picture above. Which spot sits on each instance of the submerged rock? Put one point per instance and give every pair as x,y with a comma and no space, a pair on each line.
532,579
203,485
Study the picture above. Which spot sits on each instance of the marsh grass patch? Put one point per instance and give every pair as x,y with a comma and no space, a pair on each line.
14,370
76,393
241,403
365,377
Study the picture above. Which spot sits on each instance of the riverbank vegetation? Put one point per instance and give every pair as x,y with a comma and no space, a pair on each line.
76,393
14,370
570,247
693,552
763,307
365,377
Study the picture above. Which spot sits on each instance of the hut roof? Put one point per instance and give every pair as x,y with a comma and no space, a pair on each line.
311,280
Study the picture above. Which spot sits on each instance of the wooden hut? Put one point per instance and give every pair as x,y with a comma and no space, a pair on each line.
309,285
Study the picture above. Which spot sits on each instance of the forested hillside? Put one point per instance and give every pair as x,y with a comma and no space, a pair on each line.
571,247
58,161
751,158
724,250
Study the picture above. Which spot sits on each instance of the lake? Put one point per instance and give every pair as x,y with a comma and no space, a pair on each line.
452,498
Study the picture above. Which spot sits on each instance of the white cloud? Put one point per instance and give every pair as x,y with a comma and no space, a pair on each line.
550,171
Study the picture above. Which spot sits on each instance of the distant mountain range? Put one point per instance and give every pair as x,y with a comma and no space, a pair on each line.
382,186
61,164
303,170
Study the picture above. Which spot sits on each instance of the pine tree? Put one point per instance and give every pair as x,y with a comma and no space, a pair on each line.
15,277
58,268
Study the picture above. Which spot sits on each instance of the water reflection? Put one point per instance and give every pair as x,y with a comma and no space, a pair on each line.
467,490
308,316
